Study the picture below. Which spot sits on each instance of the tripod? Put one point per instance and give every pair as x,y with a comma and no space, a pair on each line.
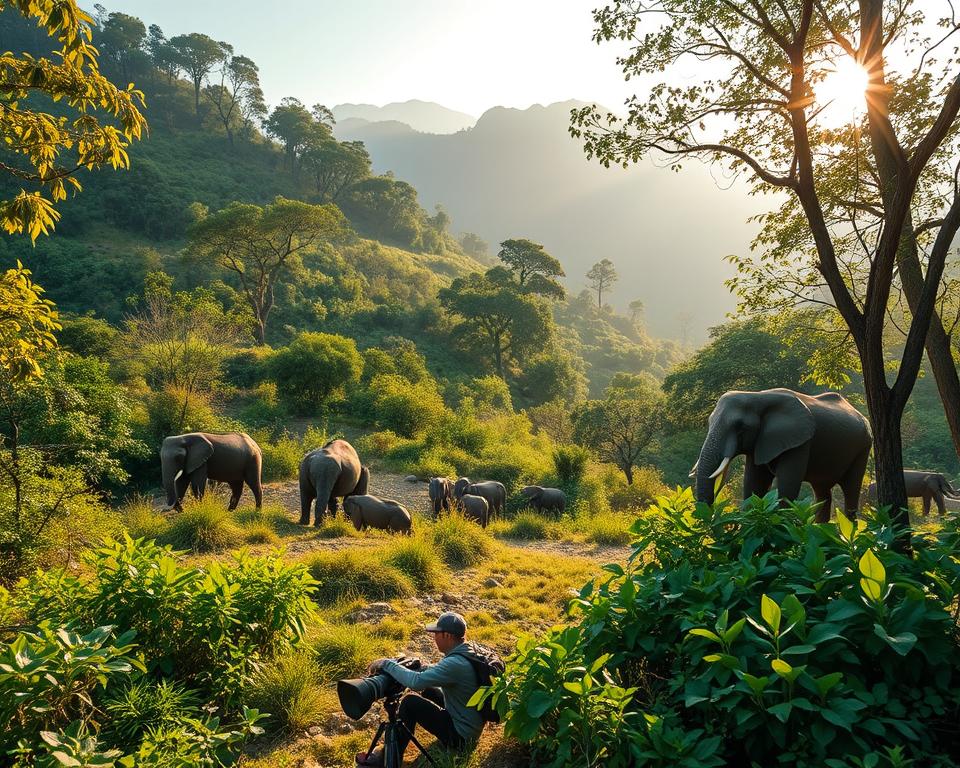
388,729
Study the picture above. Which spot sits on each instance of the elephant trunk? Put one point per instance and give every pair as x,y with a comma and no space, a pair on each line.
170,485
713,459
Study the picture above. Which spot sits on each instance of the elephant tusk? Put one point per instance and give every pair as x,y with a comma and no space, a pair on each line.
177,476
693,469
723,466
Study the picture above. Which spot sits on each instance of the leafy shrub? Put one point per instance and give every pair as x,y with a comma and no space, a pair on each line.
434,462
142,521
209,628
259,532
407,409
647,486
248,368
418,560
607,529
377,443
526,525
289,689
262,408
589,497
146,705
334,528
205,525
570,464
342,650
281,458
353,573
174,411
314,369
743,628
460,542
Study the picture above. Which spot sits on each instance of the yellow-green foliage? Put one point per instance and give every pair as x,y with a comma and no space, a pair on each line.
590,497
526,525
409,409
259,532
356,573
205,525
342,650
288,687
334,528
460,542
271,514
417,558
142,520
647,486
607,529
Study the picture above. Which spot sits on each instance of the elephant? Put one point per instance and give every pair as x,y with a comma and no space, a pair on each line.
474,508
326,473
491,490
789,437
372,511
552,499
233,458
924,485
441,492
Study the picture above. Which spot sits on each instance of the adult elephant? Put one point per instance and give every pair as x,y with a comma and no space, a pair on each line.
491,490
328,473
233,458
441,494
474,508
921,484
540,498
789,437
372,511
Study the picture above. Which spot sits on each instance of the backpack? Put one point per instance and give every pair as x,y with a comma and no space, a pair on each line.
486,664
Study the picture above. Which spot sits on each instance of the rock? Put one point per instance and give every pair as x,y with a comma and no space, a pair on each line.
450,599
313,730
373,613
491,582
412,479
340,723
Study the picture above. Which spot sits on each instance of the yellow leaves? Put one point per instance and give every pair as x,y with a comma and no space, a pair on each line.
874,576
27,323
41,139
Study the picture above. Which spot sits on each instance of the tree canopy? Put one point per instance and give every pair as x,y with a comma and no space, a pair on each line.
535,269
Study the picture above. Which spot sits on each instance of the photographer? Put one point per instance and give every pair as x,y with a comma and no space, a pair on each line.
445,688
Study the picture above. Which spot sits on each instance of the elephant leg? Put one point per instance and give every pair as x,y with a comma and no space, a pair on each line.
941,506
236,488
307,495
824,499
756,479
926,504
198,482
791,467
180,489
332,505
852,482
253,482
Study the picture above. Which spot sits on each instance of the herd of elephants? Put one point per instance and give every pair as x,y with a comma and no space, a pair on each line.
785,436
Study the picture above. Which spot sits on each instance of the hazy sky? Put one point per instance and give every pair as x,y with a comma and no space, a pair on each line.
464,54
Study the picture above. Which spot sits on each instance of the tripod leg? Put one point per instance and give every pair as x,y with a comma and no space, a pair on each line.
416,743
376,738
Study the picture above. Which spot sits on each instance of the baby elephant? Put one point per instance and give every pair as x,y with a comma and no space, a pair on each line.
474,508
374,512
441,492
923,485
551,499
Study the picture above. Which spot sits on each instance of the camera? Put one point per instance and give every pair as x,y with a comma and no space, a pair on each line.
357,695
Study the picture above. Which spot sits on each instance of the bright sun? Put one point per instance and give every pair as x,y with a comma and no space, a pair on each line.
841,92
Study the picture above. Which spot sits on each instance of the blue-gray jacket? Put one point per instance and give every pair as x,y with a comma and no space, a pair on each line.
455,675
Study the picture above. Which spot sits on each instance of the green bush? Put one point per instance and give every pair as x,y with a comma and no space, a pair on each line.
356,573
262,407
608,529
647,486
460,542
314,369
142,521
344,650
335,528
144,705
248,368
281,458
205,525
259,532
418,560
288,688
526,525
750,636
407,409
570,464
209,628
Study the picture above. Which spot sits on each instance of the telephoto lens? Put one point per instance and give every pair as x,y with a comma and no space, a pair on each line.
357,695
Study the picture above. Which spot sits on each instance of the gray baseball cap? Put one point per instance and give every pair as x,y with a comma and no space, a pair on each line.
450,622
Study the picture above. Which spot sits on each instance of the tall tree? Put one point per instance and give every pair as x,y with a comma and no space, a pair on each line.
622,426
260,245
636,310
762,115
44,150
164,55
197,54
121,42
601,276
335,165
535,269
497,317
293,125
239,85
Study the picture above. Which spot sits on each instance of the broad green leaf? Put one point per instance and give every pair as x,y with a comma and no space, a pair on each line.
771,613
701,632
781,711
871,589
538,703
846,526
901,643
781,668
734,632
872,568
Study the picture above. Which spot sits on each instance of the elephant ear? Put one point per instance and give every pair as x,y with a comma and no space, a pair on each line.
199,449
785,425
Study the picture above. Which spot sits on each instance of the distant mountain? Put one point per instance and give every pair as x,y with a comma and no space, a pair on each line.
518,173
423,116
